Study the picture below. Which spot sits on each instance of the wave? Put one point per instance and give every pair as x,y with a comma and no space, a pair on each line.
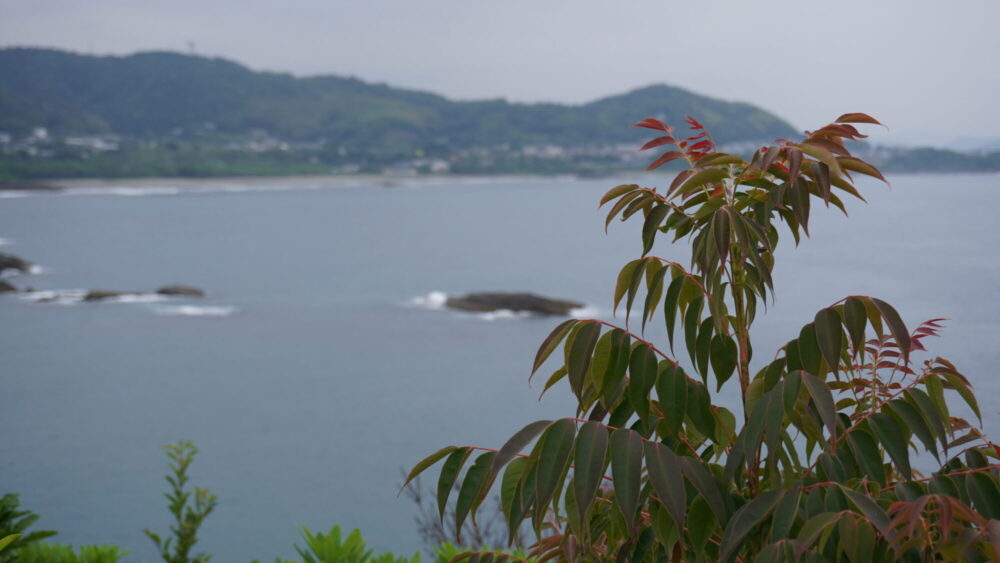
55,296
434,300
33,270
196,310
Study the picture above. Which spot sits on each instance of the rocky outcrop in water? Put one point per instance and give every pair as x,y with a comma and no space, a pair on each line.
518,302
11,262
181,291
6,287
102,294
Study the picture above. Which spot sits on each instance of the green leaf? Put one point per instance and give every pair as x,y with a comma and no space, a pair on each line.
670,307
691,324
553,460
707,486
812,529
724,358
855,317
627,278
829,336
699,409
704,345
867,454
913,420
7,540
642,369
510,492
962,388
809,353
893,440
589,461
700,178
664,470
617,191
580,354
449,474
985,494
672,390
626,471
748,517
896,326
700,525
785,514
427,462
823,400
872,511
516,443
651,225
551,341
472,489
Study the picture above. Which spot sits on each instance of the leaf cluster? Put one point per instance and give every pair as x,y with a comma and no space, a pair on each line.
819,465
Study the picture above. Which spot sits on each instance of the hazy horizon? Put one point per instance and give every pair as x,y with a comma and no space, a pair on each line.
920,68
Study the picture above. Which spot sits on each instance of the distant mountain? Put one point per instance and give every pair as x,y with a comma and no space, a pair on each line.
158,94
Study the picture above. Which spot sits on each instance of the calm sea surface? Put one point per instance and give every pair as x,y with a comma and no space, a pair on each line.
313,371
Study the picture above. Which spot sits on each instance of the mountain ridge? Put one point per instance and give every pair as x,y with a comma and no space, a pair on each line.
155,93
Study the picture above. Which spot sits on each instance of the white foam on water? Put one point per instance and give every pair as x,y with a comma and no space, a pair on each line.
6,241
504,314
135,298
33,270
13,194
585,312
130,191
55,296
195,310
434,300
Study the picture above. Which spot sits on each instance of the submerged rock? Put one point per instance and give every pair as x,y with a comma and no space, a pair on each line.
11,262
181,290
102,294
6,287
527,302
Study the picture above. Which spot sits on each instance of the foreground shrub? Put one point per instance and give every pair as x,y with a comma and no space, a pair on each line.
818,466
188,511
59,553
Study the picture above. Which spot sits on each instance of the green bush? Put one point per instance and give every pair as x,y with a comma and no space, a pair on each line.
818,466
14,524
58,553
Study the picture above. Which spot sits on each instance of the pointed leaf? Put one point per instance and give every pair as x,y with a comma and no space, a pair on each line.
551,341
626,471
896,326
665,474
589,461
829,336
748,517
449,474
472,488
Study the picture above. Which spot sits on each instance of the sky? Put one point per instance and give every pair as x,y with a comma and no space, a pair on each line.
929,70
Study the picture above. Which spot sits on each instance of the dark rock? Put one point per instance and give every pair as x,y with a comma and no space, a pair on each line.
181,290
11,262
6,287
102,294
486,302
28,187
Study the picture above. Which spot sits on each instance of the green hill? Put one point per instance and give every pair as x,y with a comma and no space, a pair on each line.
152,95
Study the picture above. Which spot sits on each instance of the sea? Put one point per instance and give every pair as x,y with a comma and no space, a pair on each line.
321,363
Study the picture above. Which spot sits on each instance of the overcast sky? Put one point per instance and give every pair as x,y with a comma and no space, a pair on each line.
929,70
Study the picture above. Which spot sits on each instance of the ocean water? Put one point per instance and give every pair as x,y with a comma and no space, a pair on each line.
321,363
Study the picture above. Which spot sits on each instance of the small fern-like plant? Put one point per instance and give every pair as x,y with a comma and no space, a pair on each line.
818,463
189,510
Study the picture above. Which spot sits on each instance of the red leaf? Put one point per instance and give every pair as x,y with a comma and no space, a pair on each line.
653,124
700,145
857,118
657,142
693,123
664,158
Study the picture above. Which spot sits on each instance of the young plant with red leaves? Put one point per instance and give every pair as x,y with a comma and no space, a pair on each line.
818,463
